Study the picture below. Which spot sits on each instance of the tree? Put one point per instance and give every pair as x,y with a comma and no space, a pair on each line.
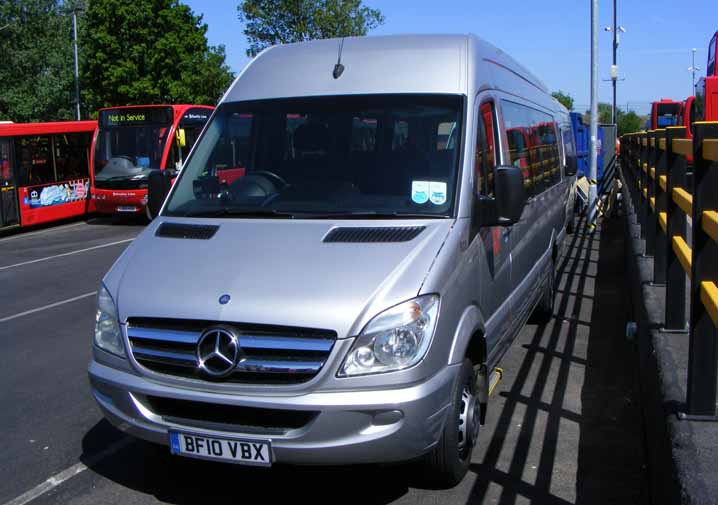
37,61
270,22
629,122
605,115
149,51
564,99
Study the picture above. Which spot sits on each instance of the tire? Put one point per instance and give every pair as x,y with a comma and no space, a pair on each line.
544,310
447,464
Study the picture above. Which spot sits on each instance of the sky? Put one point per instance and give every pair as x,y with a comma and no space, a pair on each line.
550,37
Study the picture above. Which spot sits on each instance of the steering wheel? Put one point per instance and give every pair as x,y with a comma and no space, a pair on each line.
273,176
261,183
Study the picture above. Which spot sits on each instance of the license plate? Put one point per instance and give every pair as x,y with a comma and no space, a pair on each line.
245,452
126,209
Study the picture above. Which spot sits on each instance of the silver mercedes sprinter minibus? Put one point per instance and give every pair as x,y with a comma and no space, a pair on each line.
359,234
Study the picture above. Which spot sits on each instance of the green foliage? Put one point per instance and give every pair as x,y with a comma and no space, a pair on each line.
564,99
270,22
36,73
148,51
628,122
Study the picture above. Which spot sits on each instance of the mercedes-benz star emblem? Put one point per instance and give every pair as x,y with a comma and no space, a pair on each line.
218,351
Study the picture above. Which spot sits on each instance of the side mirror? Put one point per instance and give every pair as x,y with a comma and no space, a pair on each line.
159,184
506,207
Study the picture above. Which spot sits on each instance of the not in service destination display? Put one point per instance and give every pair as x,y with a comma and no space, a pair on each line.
136,116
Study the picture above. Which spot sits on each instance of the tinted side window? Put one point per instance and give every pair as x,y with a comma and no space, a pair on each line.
72,155
533,146
6,168
712,56
34,160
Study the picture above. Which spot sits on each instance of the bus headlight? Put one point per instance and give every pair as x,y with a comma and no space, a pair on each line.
107,328
396,339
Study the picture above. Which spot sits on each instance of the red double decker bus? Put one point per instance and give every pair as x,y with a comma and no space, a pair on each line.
133,141
44,171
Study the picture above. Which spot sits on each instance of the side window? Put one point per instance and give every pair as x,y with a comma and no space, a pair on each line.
6,168
522,150
34,160
489,142
569,147
712,56
71,155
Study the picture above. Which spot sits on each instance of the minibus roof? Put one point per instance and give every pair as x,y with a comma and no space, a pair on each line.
387,64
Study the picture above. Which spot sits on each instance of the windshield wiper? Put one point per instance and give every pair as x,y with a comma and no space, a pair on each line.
363,214
240,212
121,177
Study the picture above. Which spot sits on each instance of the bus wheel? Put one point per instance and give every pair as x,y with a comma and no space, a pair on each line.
449,461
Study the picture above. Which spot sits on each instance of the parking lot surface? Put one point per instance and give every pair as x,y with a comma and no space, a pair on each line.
564,426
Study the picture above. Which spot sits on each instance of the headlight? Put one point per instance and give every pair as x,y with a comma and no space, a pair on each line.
396,339
107,327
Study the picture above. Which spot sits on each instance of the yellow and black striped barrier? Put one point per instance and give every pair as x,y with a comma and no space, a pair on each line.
656,165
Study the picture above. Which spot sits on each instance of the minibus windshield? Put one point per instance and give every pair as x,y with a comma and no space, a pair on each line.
334,156
130,142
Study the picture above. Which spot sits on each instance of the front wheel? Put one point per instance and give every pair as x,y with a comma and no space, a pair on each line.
544,310
449,461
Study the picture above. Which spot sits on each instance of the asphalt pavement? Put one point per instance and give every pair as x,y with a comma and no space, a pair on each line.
564,425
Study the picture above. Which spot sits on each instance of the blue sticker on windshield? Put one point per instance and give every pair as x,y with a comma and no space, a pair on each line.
420,191
437,192
143,161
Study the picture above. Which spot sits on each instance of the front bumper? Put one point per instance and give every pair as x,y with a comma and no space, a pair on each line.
376,426
111,201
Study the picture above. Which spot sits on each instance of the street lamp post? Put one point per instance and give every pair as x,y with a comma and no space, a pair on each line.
77,65
617,30
693,69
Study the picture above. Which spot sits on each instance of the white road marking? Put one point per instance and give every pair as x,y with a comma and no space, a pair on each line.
41,232
68,473
45,307
78,251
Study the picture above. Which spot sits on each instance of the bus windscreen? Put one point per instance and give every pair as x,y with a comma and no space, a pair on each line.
667,114
130,143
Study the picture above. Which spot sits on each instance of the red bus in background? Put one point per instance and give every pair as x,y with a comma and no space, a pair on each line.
44,171
664,113
712,67
133,141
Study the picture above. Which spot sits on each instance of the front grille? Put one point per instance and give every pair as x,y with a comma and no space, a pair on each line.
270,354
121,184
230,417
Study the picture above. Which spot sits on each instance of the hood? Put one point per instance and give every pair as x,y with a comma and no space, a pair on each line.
276,272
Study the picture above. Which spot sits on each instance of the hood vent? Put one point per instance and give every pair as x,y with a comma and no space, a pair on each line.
375,235
188,231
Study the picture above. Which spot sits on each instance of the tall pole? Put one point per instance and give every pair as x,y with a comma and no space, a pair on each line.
77,65
594,118
693,70
614,78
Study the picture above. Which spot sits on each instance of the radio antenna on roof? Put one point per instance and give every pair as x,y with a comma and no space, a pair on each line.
339,68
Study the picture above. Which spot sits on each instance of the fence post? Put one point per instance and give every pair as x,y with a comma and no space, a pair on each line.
675,318
659,208
648,193
703,351
642,161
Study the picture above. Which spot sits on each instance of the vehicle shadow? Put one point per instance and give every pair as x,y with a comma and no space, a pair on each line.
570,428
152,470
